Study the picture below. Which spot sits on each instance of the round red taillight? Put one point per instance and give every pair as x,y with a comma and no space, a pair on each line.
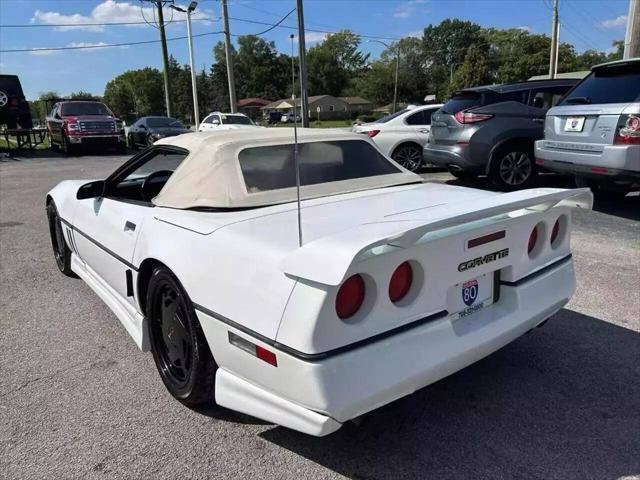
400,282
350,297
533,239
555,231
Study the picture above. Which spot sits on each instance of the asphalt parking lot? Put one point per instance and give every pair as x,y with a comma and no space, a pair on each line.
79,400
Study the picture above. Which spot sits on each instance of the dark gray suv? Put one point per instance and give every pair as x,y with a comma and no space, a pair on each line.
491,130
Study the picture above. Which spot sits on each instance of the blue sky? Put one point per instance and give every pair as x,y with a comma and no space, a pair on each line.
584,23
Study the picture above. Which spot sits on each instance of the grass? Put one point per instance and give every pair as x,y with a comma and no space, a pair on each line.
14,143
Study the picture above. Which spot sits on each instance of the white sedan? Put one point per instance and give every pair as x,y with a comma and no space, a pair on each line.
217,121
387,284
402,135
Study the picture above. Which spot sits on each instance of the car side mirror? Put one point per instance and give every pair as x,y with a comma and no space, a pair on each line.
93,189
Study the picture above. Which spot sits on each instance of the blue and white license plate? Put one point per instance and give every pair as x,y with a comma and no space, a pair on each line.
470,296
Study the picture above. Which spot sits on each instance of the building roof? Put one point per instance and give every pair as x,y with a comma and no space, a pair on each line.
253,101
288,103
211,177
355,100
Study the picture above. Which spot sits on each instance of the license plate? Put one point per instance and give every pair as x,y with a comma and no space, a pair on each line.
574,124
470,296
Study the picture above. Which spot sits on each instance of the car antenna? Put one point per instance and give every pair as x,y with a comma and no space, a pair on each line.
295,141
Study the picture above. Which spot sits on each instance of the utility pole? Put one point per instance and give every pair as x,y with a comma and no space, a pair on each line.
553,60
194,84
165,58
632,38
229,58
395,85
302,52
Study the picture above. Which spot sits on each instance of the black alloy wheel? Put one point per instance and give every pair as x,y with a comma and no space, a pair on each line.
178,345
513,169
61,252
408,156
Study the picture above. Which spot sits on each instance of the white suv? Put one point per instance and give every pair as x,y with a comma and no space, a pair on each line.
402,135
225,121
594,132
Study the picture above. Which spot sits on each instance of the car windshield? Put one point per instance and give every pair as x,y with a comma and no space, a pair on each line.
235,120
615,84
163,122
272,167
85,108
391,116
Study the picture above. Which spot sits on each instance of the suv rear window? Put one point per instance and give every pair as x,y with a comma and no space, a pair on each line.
466,100
618,84
272,167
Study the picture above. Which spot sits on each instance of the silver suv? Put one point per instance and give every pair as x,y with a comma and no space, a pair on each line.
594,132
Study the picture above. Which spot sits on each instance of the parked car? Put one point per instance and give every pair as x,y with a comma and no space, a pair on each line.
402,135
225,121
491,130
288,118
14,108
146,130
274,117
79,123
594,133
387,285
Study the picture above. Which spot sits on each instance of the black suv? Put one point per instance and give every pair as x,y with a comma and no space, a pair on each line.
491,130
14,108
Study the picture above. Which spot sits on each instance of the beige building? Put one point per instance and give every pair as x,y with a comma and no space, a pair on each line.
327,107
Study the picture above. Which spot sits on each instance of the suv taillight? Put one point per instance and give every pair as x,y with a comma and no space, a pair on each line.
628,130
464,116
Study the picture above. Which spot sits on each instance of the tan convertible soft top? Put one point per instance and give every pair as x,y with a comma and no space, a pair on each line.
211,176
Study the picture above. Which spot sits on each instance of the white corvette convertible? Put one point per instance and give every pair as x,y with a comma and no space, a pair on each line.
387,285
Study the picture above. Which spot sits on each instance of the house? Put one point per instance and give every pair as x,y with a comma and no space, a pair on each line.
358,104
251,106
327,107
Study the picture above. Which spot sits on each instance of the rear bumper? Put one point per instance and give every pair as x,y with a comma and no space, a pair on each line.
453,157
614,162
330,391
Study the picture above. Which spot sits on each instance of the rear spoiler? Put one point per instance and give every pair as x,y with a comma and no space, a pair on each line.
327,259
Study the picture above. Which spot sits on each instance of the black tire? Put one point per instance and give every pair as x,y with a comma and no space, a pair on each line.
150,140
409,156
131,142
513,167
463,174
178,345
61,252
121,149
67,148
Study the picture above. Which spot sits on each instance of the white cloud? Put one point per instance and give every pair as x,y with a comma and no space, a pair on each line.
81,46
525,28
110,11
312,37
620,21
407,9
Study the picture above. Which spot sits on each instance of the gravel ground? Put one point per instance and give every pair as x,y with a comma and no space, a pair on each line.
78,400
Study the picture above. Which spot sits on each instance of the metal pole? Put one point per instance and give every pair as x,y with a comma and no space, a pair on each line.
302,52
632,38
194,85
165,59
554,41
229,58
395,88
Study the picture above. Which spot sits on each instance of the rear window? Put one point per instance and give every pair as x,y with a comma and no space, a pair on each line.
466,100
619,84
272,167
387,118
85,108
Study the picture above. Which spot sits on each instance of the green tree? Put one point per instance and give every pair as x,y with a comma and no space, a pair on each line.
474,69
136,93
334,63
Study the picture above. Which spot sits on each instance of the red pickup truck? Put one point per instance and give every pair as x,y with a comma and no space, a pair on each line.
76,123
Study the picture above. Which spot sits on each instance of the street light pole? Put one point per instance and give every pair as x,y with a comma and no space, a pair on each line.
194,86
395,87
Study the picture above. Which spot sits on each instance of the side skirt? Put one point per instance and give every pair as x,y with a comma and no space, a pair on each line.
133,322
